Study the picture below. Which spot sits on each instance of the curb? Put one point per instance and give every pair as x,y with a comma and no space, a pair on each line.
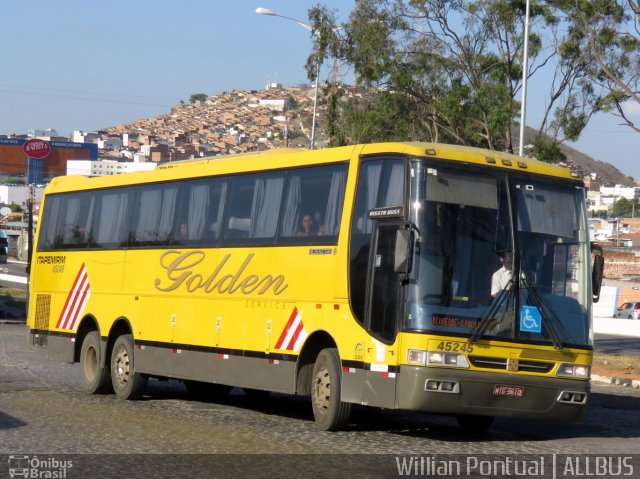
634,383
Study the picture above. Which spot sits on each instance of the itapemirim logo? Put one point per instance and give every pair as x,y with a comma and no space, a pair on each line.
38,468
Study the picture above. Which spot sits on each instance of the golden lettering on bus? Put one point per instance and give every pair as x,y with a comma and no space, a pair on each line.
180,271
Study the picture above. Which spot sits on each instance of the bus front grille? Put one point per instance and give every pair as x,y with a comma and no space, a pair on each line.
41,325
501,363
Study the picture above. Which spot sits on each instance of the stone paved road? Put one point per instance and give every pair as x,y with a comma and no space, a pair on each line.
43,411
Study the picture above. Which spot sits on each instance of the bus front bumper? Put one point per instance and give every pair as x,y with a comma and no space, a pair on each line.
455,391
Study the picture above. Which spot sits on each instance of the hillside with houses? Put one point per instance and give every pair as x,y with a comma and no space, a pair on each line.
233,122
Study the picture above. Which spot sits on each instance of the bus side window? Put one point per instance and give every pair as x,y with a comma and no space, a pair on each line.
155,215
314,196
192,210
213,223
75,223
254,207
111,224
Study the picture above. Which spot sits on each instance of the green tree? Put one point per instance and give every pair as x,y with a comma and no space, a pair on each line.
607,34
449,71
197,97
624,208
549,152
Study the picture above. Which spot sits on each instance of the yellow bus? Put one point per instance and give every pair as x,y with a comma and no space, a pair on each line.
355,275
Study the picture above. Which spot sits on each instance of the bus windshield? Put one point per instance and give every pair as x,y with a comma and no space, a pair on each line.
499,257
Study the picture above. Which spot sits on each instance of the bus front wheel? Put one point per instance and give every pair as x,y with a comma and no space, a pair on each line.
127,383
329,412
94,378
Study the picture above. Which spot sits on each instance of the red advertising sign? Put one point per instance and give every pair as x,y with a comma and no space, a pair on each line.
37,149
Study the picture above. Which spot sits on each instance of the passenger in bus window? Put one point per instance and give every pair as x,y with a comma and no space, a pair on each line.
308,226
501,278
78,235
183,233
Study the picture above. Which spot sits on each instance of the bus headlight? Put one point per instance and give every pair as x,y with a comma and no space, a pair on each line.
453,360
417,357
569,370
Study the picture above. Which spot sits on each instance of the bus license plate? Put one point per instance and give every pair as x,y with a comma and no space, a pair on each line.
508,390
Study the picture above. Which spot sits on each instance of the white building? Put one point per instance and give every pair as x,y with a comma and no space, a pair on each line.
106,167
617,191
80,136
48,133
273,103
111,143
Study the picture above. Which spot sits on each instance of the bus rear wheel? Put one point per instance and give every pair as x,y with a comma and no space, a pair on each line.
127,383
94,378
329,412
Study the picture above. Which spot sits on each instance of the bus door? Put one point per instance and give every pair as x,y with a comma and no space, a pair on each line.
382,313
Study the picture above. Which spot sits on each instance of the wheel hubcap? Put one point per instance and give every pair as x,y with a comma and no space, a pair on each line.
122,368
322,390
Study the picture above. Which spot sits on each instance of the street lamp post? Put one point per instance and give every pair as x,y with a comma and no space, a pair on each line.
525,67
266,11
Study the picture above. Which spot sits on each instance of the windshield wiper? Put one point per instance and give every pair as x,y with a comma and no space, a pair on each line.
547,314
484,322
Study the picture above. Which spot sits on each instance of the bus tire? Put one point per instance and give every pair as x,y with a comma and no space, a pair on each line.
474,424
94,377
329,412
127,383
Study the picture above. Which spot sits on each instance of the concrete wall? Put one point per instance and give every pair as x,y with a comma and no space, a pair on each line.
621,327
621,263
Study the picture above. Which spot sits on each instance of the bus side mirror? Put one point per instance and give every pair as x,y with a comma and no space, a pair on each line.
403,251
597,271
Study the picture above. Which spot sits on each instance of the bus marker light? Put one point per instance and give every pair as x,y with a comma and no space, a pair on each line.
177,351
349,370
455,360
572,397
223,356
274,361
432,385
447,386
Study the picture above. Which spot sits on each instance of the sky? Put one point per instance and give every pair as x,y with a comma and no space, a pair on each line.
85,65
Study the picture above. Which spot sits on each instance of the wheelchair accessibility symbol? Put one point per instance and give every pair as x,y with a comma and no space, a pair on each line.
530,319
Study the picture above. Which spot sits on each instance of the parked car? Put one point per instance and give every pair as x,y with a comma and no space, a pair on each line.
629,310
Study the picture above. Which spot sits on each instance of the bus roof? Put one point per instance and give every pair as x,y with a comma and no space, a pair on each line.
286,157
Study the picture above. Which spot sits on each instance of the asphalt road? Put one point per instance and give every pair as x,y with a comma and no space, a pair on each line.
617,345
13,275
